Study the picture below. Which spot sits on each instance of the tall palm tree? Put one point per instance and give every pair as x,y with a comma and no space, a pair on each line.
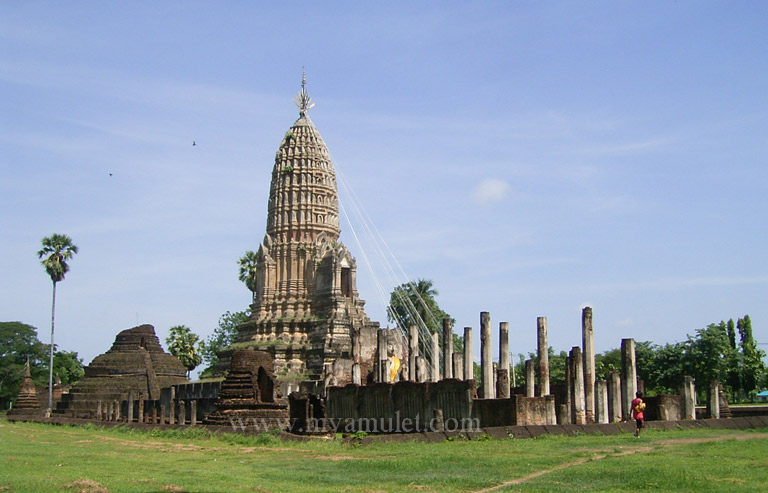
57,249
423,296
249,269
185,345
414,303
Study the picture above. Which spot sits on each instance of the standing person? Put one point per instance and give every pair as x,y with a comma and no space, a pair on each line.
638,406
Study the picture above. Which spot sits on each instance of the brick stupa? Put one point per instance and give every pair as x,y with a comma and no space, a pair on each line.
249,394
27,403
136,361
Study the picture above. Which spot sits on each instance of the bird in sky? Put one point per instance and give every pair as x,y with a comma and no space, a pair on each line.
193,143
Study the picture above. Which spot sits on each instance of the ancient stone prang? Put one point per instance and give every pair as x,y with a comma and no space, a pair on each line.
306,304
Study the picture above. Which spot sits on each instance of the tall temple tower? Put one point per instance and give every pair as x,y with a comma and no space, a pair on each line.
306,305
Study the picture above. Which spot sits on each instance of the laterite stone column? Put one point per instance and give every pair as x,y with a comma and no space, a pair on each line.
579,415
689,398
628,377
530,378
614,397
486,356
542,348
588,344
601,399
502,389
447,348
458,366
469,364
413,352
435,357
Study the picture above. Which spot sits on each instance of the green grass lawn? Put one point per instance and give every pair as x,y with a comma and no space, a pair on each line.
39,457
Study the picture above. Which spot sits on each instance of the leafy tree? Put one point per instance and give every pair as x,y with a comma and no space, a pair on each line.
752,365
519,367
664,375
607,362
731,329
415,304
184,344
659,367
57,249
705,355
223,336
733,363
458,343
645,352
18,341
557,366
249,272
68,366
710,354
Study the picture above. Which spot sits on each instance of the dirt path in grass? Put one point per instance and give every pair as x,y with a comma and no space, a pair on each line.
629,451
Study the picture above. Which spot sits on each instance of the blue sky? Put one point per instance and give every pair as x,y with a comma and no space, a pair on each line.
530,158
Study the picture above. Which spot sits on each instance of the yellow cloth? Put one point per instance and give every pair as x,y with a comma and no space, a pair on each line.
395,366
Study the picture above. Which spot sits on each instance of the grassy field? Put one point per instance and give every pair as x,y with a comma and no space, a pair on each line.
39,457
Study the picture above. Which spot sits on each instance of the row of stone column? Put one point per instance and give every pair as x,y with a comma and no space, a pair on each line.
455,365
176,412
419,369
588,400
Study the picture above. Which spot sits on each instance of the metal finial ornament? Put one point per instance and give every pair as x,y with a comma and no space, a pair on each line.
302,99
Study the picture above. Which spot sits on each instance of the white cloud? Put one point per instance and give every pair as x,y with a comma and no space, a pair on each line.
489,191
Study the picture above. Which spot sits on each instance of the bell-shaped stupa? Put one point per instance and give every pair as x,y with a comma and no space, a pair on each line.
27,401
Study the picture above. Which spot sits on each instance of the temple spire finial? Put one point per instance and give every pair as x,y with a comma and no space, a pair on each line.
302,99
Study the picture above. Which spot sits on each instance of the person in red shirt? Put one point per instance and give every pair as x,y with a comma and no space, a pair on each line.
638,406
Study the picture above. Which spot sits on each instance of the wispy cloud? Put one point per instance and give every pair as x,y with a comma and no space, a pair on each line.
490,191
644,145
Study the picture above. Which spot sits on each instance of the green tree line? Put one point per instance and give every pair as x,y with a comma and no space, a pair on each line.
18,341
724,351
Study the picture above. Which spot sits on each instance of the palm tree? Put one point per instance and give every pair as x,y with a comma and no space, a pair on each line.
249,269
414,303
185,345
57,249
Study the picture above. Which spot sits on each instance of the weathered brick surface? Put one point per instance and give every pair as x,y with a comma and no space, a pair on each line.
135,362
248,395
536,430
519,432
498,432
27,402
